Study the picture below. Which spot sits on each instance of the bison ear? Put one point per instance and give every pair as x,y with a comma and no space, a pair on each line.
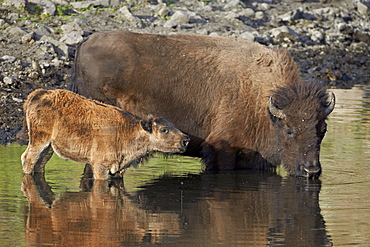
146,125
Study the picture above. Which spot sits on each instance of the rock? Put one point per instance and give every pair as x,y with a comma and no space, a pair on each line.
72,27
363,8
35,65
163,11
345,28
60,2
16,3
61,48
170,24
9,80
17,99
361,36
231,15
283,33
247,35
85,4
27,38
232,4
203,32
186,26
42,31
15,31
295,15
360,47
128,15
48,6
110,3
180,17
214,34
33,75
13,17
264,6
317,36
207,8
326,12
47,49
72,38
259,15
248,12
8,59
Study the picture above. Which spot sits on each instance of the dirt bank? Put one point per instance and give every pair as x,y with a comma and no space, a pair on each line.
328,39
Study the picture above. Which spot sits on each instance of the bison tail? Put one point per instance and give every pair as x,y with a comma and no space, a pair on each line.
76,77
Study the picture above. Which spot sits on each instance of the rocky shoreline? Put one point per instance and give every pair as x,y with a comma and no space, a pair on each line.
329,39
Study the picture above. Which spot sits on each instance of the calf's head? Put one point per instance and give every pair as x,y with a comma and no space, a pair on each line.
298,116
164,136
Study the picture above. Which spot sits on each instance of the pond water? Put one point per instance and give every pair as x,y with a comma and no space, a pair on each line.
170,201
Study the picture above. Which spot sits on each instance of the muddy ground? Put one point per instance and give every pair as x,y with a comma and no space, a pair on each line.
328,39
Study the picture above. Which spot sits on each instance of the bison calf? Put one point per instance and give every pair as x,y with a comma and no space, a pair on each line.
88,131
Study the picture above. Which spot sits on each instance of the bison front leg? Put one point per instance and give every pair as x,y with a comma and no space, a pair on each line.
100,171
219,156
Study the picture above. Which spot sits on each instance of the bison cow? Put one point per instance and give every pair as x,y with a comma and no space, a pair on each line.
242,104
88,131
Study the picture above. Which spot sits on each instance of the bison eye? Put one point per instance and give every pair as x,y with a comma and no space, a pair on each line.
163,131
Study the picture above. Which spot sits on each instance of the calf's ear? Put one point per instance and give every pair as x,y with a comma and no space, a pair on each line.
146,125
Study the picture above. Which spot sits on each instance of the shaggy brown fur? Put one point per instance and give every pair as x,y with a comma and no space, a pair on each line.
88,131
215,89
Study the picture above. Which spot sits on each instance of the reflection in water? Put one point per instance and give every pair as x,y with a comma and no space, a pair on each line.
345,198
99,215
234,208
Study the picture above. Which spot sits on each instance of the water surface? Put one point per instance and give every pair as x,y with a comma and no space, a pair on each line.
171,201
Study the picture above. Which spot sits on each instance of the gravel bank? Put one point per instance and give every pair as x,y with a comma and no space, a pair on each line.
38,38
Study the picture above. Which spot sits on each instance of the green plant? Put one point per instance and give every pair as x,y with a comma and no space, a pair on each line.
63,10
86,9
34,9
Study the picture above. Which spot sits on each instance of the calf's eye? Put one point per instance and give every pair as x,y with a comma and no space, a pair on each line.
163,131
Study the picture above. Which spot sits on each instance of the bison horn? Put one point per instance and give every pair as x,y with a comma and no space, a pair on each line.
331,105
275,111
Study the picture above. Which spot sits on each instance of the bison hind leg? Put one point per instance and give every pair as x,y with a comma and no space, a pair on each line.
35,158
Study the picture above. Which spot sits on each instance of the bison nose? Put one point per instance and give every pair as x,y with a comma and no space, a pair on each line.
311,170
185,141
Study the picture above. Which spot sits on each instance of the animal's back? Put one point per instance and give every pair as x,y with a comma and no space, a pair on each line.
184,78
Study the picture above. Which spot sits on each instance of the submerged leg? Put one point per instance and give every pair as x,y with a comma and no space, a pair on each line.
219,156
100,171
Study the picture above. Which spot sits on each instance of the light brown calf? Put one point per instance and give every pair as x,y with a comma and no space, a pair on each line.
88,131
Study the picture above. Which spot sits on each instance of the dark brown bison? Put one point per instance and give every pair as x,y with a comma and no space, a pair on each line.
88,131
243,105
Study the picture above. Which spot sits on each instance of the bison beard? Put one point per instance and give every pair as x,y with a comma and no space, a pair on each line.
242,104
